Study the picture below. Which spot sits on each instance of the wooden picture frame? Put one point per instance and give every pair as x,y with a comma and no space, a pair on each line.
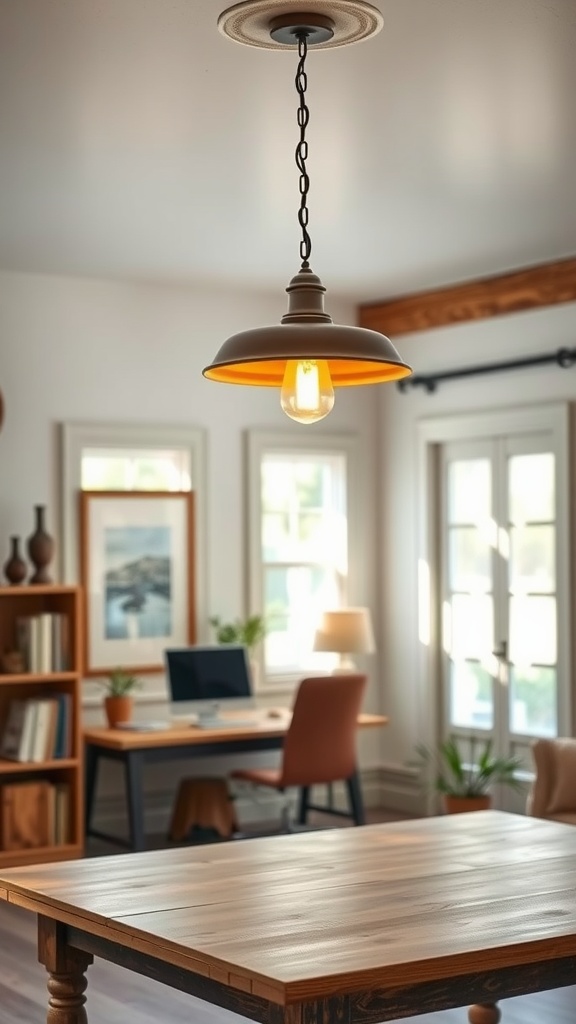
137,573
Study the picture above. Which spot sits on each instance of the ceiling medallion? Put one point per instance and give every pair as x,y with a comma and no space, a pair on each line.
306,356
250,22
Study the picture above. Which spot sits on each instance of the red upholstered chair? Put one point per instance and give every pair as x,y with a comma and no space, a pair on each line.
320,744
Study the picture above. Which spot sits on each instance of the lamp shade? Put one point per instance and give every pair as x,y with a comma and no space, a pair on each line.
354,355
345,631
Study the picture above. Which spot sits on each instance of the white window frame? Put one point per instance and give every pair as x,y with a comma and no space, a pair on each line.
260,443
553,418
74,439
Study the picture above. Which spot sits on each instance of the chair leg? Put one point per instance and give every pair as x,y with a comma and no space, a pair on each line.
303,808
355,798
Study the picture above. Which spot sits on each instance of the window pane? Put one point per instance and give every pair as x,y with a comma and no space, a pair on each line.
532,559
533,701
468,627
469,560
531,488
469,491
532,631
304,550
294,599
310,483
310,536
471,699
277,486
103,474
275,536
138,469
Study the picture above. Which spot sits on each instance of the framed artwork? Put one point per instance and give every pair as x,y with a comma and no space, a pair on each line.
137,572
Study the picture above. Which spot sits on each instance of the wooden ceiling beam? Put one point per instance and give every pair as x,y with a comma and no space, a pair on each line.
531,288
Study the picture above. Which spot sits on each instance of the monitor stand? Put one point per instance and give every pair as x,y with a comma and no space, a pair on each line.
208,712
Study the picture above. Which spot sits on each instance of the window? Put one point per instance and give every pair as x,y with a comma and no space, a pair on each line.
495,556
135,469
118,457
301,543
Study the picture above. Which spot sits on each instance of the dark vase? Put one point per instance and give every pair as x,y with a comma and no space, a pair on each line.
40,547
15,568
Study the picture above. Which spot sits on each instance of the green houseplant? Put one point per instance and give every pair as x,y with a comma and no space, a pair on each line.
249,632
464,782
119,701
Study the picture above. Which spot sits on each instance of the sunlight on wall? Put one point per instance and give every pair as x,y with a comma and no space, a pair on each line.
424,602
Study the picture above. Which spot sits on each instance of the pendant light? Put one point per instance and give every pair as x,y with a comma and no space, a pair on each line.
306,355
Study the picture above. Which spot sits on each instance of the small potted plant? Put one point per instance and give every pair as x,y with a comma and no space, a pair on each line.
465,782
119,702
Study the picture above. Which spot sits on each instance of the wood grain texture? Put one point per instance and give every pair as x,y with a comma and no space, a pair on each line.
531,288
67,973
260,727
320,916
111,989
23,601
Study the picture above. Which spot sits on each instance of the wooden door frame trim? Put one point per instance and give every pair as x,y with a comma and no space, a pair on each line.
531,288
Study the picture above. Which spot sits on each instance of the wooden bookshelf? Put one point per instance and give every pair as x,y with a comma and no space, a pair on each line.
65,771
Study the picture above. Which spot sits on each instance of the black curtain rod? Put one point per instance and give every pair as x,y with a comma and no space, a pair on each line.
563,357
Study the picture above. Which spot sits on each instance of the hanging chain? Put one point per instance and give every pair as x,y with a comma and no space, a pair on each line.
302,149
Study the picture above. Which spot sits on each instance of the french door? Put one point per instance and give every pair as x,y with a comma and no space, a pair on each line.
502,583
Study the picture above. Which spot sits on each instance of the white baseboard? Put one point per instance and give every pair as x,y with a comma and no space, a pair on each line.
400,789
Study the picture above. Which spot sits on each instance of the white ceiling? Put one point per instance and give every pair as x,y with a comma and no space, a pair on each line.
137,142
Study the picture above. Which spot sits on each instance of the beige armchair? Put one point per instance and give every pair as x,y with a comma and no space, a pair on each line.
553,794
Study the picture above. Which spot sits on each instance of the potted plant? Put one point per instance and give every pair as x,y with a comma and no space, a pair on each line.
249,632
119,702
465,782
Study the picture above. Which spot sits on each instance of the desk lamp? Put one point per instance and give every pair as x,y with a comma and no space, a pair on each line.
345,631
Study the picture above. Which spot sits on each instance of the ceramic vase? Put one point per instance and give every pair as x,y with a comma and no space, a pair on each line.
15,568
40,547
118,710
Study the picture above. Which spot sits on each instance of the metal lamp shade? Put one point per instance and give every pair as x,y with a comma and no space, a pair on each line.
355,355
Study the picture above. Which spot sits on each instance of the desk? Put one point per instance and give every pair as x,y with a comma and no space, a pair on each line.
134,749
355,925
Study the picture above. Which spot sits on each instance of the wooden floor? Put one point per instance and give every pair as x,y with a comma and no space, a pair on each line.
116,996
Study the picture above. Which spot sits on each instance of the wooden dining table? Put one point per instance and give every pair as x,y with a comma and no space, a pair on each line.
340,926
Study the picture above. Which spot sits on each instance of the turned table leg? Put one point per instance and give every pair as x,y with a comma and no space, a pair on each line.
67,969
484,1013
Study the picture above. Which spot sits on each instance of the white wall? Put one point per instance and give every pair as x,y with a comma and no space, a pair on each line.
79,349
486,341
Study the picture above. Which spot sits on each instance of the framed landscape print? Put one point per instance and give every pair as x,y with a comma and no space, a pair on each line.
137,571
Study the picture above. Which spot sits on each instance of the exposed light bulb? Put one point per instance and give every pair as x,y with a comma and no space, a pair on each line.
307,394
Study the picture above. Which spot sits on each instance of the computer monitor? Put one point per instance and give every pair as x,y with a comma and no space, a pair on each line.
202,680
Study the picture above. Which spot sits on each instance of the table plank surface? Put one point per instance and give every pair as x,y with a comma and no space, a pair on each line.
261,725
302,917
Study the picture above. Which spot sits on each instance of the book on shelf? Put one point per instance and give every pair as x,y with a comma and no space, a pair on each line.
25,815
14,743
44,642
38,729
61,813
63,735
34,813
44,729
18,734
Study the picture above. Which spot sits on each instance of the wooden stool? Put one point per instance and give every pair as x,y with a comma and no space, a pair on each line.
205,803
